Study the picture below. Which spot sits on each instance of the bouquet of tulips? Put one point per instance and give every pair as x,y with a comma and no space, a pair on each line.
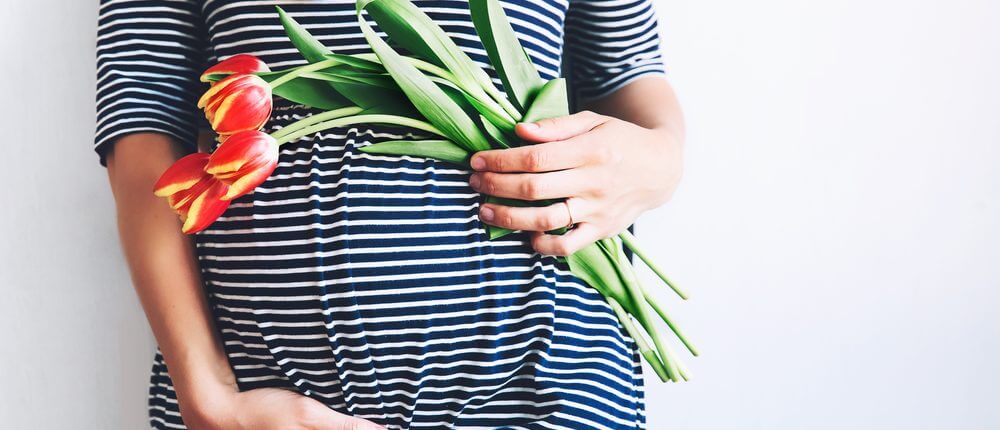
437,90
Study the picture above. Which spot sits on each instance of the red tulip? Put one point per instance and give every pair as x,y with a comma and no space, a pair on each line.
244,161
191,192
240,64
237,103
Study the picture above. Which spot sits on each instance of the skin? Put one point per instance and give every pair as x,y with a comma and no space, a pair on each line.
167,280
612,163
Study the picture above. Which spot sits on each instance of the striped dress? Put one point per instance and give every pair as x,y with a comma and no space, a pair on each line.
367,282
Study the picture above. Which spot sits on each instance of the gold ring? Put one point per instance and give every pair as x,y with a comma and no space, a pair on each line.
569,212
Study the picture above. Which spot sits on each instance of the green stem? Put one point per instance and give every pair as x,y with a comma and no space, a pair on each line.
640,341
630,241
655,304
624,268
294,73
314,119
359,119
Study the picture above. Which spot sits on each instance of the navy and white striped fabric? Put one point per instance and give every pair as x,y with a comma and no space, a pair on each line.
367,282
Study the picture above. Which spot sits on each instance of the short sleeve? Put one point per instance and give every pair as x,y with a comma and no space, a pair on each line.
609,43
149,57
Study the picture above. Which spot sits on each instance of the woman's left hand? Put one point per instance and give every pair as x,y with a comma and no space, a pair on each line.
608,171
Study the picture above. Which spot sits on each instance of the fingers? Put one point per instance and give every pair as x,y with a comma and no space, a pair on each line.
546,157
533,186
551,217
560,128
563,245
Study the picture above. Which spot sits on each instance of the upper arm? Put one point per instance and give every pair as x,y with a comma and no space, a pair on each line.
608,44
149,56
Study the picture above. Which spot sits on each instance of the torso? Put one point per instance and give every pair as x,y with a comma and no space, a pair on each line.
368,283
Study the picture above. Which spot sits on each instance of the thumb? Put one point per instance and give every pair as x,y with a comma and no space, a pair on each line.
559,128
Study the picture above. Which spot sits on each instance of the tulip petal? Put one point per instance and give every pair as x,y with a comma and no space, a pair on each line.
239,149
237,103
206,208
215,89
244,161
183,174
245,184
237,64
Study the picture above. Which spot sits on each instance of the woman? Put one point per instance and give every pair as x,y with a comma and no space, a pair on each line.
360,291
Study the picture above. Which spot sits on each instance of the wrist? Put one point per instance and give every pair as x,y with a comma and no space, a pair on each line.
204,387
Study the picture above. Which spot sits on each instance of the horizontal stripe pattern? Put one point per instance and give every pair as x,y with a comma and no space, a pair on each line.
367,282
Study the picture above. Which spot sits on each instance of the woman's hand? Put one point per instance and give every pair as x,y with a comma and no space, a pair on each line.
269,409
608,170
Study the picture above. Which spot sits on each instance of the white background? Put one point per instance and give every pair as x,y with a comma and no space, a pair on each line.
837,225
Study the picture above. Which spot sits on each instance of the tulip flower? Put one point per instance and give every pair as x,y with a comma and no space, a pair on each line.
193,193
237,103
241,64
244,161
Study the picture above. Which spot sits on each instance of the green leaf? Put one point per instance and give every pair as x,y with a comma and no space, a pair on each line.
409,27
551,101
308,92
519,76
446,115
592,265
365,91
310,48
435,149
358,63
498,136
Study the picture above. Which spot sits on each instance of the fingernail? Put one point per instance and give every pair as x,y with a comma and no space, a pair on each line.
529,125
474,182
486,214
478,163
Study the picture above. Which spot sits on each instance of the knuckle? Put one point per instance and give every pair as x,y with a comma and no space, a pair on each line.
606,154
534,160
489,184
532,189
506,218
547,122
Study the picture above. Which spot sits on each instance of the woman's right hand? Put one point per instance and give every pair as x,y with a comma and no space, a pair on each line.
269,409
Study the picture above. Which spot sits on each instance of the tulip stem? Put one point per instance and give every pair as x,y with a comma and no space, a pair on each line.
640,341
359,119
314,119
630,241
299,71
655,304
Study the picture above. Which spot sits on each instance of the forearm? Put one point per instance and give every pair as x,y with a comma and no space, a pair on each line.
164,269
649,102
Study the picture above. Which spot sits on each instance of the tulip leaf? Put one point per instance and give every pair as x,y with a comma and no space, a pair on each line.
409,27
358,63
364,91
519,76
439,109
311,49
442,150
308,92
592,265
552,101
497,135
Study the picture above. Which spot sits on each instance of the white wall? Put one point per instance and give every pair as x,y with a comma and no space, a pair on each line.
837,225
